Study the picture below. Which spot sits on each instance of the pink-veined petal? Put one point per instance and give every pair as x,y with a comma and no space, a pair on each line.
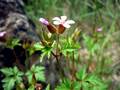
56,19
63,18
70,22
56,22
44,21
66,25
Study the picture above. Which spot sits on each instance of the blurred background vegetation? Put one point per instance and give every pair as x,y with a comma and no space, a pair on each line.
94,12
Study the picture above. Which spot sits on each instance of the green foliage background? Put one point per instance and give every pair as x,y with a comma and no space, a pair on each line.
99,12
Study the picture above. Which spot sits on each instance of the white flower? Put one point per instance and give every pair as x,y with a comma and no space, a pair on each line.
63,21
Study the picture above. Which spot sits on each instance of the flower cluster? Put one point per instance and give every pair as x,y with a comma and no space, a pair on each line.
60,24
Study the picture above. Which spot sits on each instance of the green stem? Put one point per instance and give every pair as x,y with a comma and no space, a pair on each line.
67,60
57,48
73,71
57,41
57,56
73,66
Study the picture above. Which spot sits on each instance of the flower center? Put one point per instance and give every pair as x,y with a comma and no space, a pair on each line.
62,22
